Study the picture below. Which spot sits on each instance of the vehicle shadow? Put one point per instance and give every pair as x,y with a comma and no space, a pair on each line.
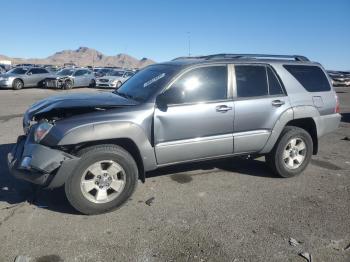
345,117
244,166
14,191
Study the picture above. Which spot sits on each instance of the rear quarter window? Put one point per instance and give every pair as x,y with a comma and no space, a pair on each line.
312,78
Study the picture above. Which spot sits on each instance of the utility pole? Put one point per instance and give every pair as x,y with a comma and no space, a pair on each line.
189,43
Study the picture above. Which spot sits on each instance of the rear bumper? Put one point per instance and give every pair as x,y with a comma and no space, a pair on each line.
327,124
39,164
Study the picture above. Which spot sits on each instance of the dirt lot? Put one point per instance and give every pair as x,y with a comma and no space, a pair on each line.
232,210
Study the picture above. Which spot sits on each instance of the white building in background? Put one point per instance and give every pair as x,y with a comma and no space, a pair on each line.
5,62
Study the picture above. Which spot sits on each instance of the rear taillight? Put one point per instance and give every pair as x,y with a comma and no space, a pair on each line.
337,106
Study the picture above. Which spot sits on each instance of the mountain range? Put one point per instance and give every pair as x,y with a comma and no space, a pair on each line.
84,56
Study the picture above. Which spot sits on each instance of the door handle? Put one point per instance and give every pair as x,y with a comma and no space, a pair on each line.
277,103
223,108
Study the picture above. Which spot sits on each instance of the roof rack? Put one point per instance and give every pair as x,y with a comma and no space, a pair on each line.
237,56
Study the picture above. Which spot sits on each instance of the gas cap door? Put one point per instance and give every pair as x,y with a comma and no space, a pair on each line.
318,102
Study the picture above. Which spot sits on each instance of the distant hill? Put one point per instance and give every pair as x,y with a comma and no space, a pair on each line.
85,56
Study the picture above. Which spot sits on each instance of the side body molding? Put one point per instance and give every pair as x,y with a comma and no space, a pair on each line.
114,130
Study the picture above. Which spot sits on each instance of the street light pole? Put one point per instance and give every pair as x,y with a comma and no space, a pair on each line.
189,43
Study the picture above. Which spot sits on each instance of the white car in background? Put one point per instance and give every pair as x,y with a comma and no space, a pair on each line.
114,78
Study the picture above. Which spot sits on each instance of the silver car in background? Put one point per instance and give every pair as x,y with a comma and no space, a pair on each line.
20,77
68,78
114,78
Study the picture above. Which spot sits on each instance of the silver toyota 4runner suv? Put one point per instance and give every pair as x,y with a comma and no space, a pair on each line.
190,109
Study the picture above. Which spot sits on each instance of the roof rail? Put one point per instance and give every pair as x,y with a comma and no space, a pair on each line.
188,57
237,56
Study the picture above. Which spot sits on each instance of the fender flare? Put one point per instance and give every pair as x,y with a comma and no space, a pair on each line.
113,130
290,114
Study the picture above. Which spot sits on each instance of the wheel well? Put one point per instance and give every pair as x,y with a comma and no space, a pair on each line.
309,125
125,143
19,80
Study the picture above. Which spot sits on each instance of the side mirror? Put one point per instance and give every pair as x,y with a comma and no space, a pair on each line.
162,101
29,73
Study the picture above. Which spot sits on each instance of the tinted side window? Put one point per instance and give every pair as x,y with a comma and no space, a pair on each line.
35,71
311,78
251,80
42,71
79,73
275,87
200,84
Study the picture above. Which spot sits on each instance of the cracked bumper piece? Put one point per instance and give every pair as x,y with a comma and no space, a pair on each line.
39,164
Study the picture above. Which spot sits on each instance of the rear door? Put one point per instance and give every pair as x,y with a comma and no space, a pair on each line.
43,73
87,78
198,121
260,99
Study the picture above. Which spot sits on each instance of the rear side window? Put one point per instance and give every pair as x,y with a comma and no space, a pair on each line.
42,71
311,78
251,80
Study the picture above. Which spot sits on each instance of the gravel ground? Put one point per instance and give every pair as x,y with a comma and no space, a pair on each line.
231,210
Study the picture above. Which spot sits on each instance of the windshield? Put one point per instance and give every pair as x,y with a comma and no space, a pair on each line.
65,72
115,73
147,82
18,71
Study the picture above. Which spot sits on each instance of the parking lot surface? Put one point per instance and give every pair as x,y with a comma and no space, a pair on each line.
228,210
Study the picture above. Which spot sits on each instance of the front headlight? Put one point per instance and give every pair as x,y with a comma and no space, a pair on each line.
3,78
41,131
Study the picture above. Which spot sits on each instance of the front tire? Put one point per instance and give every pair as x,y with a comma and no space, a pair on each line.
68,84
17,84
105,178
92,83
292,152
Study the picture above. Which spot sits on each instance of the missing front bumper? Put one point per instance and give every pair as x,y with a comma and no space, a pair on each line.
39,164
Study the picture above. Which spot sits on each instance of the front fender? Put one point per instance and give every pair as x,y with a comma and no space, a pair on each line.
114,130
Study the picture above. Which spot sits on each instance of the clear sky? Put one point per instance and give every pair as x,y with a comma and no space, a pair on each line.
159,29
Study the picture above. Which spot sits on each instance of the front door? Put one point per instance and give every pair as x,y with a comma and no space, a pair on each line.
33,77
79,78
198,120
259,102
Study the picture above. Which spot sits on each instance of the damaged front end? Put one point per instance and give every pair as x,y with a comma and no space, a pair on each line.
39,164
36,157
65,82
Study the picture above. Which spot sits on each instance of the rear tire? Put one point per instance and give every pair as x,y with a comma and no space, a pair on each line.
17,84
93,192
292,152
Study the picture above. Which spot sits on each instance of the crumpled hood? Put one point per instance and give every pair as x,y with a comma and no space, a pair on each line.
78,101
